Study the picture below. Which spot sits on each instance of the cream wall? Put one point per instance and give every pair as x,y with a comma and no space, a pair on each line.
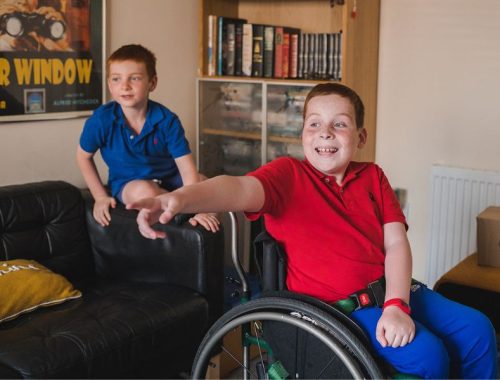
439,89
35,151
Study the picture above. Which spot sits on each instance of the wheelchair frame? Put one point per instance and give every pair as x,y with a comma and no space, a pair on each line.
330,326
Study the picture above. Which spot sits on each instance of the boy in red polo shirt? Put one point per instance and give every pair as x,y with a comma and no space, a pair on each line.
342,228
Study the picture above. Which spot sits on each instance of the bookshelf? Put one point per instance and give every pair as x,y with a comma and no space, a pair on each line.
244,122
359,50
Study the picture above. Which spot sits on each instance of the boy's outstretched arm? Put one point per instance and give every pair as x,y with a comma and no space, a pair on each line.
190,176
395,328
90,174
219,194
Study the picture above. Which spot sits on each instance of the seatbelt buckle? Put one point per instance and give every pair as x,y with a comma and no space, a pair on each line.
373,295
362,299
378,290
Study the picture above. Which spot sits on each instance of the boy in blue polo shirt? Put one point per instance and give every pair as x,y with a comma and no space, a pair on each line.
141,141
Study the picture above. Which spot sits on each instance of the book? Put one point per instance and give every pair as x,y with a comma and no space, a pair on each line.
247,50
257,50
331,51
300,61
238,48
278,52
305,56
322,55
268,51
338,56
293,52
211,45
312,55
285,64
223,44
228,64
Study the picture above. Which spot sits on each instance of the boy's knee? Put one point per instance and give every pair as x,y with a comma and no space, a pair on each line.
480,329
139,189
435,361
478,348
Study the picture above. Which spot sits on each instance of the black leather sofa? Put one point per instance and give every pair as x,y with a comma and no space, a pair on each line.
146,304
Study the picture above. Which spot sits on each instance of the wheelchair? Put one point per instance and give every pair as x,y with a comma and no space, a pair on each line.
287,335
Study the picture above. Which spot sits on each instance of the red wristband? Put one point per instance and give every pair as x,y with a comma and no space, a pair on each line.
399,303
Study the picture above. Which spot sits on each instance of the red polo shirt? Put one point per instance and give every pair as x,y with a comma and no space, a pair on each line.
333,235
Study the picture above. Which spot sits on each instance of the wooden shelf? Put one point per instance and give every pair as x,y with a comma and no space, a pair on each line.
284,139
250,136
233,134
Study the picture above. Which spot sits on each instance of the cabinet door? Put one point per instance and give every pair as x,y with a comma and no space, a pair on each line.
285,103
230,127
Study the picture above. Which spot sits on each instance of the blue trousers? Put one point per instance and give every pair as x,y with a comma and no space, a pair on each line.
451,340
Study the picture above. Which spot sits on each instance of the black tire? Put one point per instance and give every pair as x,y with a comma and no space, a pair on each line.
350,356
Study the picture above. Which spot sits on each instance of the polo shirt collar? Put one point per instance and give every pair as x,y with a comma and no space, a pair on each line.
352,171
118,116
153,116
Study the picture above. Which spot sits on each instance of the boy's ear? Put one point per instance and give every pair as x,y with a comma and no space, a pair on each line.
363,135
153,83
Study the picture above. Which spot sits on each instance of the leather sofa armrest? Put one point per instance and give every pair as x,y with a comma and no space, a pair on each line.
189,256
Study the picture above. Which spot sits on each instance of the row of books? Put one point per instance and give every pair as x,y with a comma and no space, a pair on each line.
238,48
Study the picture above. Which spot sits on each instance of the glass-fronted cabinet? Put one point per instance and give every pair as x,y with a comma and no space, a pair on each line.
243,124
229,127
285,104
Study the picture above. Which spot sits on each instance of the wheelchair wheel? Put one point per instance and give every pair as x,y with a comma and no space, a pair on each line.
290,338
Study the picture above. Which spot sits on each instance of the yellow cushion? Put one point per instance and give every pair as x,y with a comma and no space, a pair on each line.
26,285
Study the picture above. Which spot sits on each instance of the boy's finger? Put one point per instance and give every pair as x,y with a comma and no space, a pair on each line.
146,231
165,217
107,216
146,203
381,337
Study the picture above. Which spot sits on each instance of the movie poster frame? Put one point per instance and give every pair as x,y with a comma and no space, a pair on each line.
102,6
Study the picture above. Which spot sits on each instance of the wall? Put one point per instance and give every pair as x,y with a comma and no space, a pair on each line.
35,151
439,87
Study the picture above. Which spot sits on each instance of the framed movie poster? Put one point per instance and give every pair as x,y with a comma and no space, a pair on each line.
51,58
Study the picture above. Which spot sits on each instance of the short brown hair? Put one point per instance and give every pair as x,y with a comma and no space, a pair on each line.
330,88
137,53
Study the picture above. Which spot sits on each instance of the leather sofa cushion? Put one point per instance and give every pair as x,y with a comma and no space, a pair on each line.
44,222
131,321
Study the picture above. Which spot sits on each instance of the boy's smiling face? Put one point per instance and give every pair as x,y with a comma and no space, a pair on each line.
330,137
129,83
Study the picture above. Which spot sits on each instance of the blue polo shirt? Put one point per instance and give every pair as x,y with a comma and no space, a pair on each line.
149,155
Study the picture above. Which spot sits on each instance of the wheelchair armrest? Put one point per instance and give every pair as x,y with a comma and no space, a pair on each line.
270,260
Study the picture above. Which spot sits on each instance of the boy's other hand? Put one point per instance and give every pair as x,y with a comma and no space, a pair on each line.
395,328
151,211
209,221
101,210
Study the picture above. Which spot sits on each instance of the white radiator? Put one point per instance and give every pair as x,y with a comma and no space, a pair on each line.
457,197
